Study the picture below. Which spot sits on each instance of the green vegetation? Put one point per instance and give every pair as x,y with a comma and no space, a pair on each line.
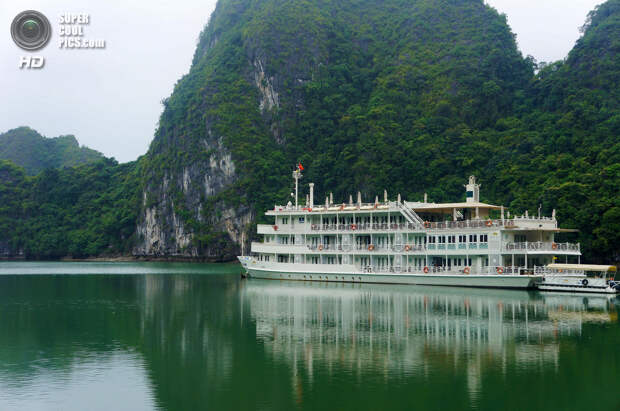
29,149
82,211
412,96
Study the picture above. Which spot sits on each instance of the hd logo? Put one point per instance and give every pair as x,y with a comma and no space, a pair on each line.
31,62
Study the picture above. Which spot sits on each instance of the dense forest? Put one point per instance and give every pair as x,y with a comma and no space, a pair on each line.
408,95
30,150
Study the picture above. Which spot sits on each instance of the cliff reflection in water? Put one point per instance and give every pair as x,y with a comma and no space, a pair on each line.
412,330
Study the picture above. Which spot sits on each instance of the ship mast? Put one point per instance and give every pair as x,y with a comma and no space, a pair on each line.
297,175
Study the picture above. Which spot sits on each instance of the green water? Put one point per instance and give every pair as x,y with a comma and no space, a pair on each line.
142,336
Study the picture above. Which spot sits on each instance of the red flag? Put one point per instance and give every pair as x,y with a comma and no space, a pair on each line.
301,167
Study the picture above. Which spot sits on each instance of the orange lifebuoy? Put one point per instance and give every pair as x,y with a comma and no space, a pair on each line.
489,223
554,246
371,247
425,269
320,247
499,270
353,226
427,224
275,228
466,270
407,247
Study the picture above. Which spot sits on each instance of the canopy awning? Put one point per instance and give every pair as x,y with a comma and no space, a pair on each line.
585,267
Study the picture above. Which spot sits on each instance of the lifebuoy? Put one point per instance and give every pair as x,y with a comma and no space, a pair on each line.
584,282
489,223
275,228
427,224
466,270
554,246
425,269
407,247
353,226
499,270
320,247
371,247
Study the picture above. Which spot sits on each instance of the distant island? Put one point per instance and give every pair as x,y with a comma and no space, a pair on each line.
413,96
28,149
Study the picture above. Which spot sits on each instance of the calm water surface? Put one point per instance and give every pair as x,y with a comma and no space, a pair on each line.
143,336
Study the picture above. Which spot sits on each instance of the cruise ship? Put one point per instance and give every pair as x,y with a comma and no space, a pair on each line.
467,244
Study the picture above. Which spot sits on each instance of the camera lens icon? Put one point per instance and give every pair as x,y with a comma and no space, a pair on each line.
31,30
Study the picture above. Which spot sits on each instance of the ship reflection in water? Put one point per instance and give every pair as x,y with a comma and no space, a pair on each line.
392,330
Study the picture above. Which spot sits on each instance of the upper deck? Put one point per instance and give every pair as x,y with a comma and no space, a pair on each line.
402,215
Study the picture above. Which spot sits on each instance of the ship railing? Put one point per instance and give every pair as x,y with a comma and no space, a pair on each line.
443,270
542,246
427,225
364,227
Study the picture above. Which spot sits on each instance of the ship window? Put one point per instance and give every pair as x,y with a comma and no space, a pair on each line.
470,194
451,239
462,238
302,220
284,220
431,239
442,239
473,238
484,238
520,238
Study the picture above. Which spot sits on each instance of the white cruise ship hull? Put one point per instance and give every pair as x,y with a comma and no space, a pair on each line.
348,274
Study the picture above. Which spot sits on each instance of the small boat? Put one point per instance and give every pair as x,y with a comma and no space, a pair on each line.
578,278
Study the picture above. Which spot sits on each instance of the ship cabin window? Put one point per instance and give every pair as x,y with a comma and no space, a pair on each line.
451,239
284,220
462,238
431,239
484,238
314,260
283,258
473,238
331,260
520,238
441,239
283,240
266,258
302,220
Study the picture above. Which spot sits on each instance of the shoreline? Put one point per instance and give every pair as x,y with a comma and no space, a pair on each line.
126,258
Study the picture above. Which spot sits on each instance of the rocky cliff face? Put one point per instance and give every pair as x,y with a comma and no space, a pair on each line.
172,225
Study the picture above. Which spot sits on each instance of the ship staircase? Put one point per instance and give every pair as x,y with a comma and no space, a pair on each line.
410,215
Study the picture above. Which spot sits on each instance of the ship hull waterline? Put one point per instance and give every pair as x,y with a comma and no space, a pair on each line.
446,280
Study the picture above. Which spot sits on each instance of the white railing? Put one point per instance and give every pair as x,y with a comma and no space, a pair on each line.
448,270
542,246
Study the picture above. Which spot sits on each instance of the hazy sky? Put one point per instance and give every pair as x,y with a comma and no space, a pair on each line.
110,98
